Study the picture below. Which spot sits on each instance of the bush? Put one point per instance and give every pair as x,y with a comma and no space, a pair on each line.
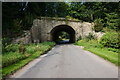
6,41
16,52
10,48
98,25
110,39
11,58
98,46
114,50
106,29
80,38
90,37
93,41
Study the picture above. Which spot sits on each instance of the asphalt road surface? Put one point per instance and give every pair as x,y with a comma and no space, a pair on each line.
68,61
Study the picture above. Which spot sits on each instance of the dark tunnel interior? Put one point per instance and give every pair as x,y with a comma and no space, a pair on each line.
64,28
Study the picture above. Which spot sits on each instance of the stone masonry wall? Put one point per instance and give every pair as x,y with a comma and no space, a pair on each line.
42,27
41,30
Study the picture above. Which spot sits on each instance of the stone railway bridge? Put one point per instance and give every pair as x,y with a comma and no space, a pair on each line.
46,28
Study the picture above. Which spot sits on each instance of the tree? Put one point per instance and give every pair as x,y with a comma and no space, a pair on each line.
112,20
98,25
19,16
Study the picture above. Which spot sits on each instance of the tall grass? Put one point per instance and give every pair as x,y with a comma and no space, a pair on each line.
13,61
11,54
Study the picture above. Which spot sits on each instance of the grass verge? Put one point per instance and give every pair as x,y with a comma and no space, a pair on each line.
99,50
40,49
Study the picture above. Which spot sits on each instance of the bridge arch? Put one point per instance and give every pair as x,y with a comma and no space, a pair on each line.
44,29
65,28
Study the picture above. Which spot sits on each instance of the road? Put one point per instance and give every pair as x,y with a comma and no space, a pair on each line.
68,61
64,42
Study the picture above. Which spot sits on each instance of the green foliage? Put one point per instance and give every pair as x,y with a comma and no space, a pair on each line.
112,20
103,14
21,62
80,38
110,39
19,16
91,43
69,18
106,29
62,36
12,55
11,58
7,46
11,48
98,25
90,37
104,53
99,46
99,50
6,41
114,50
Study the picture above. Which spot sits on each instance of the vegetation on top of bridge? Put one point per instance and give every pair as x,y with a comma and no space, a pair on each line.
68,18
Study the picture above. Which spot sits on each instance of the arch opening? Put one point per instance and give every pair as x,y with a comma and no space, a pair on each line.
69,31
62,37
